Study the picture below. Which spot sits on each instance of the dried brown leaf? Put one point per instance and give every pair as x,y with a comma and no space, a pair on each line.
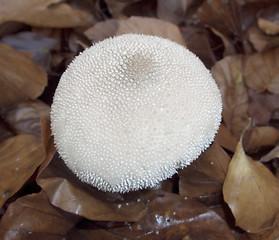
32,217
138,25
169,217
252,192
21,78
261,71
269,234
25,117
225,138
228,74
43,13
268,20
19,158
203,179
5,131
198,42
261,41
274,153
261,137
172,11
261,106
68,193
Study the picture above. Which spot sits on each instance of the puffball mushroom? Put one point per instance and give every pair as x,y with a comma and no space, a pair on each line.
131,110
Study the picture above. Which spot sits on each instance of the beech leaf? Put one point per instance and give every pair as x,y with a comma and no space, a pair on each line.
19,158
43,13
17,71
252,192
32,217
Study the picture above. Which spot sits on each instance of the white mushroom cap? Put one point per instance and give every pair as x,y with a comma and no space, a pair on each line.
131,110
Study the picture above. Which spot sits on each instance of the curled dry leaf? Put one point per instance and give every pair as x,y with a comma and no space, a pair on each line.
252,192
68,193
261,71
19,158
25,117
169,216
5,131
17,71
274,153
139,25
32,217
43,13
261,137
203,179
228,74
116,6
261,41
268,20
172,11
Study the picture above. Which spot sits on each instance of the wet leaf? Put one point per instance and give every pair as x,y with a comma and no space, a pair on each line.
228,74
261,71
204,178
19,158
169,217
43,13
25,117
68,193
32,217
139,25
252,192
18,71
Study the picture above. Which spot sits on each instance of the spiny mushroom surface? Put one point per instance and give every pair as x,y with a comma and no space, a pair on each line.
131,110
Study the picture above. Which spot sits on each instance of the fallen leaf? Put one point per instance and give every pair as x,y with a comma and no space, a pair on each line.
225,138
268,20
68,193
204,178
19,158
262,106
197,41
169,217
39,46
43,13
274,153
5,131
18,71
32,217
172,11
138,25
252,192
261,41
261,72
228,74
25,117
261,137
269,234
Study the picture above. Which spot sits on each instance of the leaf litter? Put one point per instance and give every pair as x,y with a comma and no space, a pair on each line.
230,192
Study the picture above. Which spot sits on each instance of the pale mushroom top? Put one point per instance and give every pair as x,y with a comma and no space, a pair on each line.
131,110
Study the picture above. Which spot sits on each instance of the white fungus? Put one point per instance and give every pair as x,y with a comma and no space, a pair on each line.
131,110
